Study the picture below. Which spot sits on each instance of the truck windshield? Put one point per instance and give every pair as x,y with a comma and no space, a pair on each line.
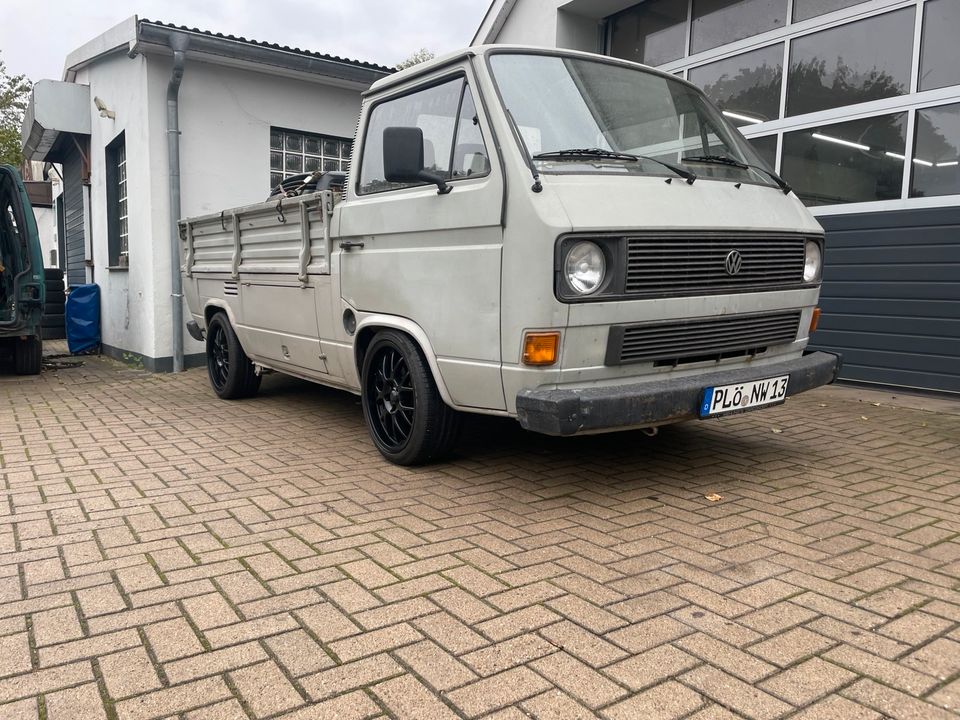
577,115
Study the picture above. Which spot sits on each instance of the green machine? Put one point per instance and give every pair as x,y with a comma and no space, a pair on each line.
22,288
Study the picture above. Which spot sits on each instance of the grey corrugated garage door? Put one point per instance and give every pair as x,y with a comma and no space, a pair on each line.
73,218
891,297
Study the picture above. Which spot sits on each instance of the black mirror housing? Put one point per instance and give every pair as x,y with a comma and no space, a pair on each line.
403,158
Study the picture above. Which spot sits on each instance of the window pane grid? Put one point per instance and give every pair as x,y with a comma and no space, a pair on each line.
294,153
918,56
122,214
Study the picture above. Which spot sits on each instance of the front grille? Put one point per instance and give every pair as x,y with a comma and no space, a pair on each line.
674,343
696,263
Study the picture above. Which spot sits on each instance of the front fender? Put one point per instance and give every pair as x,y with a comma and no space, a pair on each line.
368,320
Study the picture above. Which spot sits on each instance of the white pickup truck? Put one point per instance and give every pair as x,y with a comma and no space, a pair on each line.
578,242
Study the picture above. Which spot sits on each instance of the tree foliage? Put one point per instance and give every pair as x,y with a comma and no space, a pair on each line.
421,55
14,96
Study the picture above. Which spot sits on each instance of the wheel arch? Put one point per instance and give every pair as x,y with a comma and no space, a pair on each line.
368,328
214,306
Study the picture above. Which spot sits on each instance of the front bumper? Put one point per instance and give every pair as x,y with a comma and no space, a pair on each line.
657,402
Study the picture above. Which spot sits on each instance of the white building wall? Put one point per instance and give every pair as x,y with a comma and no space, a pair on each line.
225,118
532,22
127,295
551,23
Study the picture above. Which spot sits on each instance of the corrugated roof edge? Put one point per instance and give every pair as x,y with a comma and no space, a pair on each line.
272,46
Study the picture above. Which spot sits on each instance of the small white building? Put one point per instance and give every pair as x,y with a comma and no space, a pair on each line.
249,114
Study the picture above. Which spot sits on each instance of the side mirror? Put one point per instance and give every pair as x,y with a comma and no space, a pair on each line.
403,158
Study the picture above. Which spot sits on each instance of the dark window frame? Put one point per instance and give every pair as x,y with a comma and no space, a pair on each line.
118,252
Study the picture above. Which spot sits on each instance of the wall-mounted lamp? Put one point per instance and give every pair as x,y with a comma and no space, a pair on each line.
105,112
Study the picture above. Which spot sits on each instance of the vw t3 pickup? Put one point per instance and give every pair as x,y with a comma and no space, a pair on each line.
578,242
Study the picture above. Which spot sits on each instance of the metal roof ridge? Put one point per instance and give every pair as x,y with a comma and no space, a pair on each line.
270,45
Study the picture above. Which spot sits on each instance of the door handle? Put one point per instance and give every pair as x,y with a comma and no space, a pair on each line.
350,244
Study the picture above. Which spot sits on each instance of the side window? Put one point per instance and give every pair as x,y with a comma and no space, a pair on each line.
470,157
118,240
437,111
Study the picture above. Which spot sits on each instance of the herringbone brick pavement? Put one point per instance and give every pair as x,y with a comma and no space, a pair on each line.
168,555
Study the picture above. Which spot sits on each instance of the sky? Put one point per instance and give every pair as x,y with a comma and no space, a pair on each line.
36,35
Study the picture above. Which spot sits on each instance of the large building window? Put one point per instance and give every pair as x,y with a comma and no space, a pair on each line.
652,33
809,68
939,61
293,153
856,161
766,148
718,22
936,152
745,87
806,9
862,61
118,224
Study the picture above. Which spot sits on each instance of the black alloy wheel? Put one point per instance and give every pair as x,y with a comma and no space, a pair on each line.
219,361
232,375
392,397
406,417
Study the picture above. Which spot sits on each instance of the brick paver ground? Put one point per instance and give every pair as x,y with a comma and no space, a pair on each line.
168,555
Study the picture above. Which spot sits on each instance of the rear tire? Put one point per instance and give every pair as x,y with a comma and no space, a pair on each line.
232,375
407,419
28,356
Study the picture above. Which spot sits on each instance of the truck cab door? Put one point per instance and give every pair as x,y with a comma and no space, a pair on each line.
408,251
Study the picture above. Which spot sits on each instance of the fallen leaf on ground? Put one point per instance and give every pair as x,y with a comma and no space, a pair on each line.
864,417
714,497
777,430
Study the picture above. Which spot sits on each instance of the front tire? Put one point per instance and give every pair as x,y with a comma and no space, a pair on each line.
407,419
28,356
232,375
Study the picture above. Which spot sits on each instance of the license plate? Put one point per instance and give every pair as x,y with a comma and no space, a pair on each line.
724,399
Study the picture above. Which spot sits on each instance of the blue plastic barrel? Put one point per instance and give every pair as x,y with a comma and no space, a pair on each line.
83,318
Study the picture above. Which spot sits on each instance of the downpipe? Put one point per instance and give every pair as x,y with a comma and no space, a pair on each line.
178,43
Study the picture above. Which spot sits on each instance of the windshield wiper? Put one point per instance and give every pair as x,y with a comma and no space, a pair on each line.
724,160
614,155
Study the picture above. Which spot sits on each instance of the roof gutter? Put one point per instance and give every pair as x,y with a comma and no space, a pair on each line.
179,44
211,46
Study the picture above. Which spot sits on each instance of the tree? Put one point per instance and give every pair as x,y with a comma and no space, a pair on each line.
14,96
421,55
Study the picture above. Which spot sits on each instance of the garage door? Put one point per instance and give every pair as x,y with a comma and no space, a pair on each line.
891,297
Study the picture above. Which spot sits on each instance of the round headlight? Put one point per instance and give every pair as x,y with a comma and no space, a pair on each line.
812,262
585,268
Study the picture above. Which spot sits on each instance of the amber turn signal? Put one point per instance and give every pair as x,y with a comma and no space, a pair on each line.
814,320
540,348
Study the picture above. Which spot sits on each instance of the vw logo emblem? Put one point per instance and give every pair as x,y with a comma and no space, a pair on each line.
734,262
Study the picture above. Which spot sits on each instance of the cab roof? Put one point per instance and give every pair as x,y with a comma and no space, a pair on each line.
429,66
